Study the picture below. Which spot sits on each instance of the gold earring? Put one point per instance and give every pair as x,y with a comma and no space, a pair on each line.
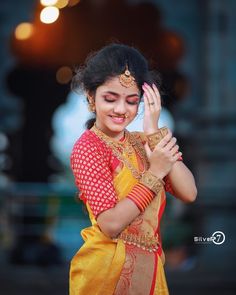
91,107
91,104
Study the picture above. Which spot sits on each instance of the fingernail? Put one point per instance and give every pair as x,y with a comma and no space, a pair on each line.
145,84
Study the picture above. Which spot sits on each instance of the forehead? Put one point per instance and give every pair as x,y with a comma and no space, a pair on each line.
114,85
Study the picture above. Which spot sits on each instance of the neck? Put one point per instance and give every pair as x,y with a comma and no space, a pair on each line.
114,135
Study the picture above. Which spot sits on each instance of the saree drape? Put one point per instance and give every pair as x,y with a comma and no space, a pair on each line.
105,266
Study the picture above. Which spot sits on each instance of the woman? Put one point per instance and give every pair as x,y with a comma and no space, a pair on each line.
122,178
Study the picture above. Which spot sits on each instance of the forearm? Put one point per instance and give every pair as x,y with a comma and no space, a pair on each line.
115,220
182,182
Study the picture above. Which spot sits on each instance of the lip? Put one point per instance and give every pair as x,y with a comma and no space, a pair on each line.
117,120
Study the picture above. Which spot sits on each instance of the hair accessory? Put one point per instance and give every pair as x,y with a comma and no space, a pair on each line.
126,79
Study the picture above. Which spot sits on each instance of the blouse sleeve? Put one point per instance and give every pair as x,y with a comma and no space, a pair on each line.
93,177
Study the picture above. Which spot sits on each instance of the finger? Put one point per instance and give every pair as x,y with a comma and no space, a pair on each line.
165,140
151,100
146,106
147,149
154,94
158,96
174,150
176,157
171,144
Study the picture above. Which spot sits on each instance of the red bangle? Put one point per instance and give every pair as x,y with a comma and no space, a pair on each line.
141,196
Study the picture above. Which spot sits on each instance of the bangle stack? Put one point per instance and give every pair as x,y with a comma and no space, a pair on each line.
152,182
143,193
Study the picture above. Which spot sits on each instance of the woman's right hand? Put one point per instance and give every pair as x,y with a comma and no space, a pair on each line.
163,157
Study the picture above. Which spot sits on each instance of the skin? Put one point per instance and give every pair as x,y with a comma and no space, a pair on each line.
116,107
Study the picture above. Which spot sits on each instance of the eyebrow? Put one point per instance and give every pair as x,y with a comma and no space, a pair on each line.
116,94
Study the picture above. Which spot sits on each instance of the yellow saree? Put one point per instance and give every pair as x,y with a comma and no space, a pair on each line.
126,265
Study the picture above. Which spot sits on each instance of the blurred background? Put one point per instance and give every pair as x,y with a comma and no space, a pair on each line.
192,43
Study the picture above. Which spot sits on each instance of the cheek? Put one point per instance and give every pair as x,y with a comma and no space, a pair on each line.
133,111
101,107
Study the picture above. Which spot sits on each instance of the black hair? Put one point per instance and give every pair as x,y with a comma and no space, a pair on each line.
110,62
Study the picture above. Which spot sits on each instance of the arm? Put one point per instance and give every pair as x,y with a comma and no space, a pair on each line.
116,219
94,179
182,182
180,177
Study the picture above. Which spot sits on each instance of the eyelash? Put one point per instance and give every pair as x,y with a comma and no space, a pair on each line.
129,102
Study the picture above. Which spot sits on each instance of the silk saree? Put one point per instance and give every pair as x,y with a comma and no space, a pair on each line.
132,263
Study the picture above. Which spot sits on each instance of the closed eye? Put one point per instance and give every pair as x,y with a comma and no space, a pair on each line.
132,102
109,99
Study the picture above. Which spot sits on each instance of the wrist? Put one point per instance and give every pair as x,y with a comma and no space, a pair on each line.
151,131
152,182
154,138
158,174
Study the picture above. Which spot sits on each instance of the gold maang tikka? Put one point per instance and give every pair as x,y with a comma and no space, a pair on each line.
126,79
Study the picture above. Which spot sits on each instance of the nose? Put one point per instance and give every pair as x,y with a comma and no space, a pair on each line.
120,107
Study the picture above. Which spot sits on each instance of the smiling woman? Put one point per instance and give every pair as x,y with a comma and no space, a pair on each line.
116,106
122,178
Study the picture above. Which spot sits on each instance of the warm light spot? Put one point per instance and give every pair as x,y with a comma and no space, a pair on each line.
48,2
64,75
49,14
73,2
24,31
61,3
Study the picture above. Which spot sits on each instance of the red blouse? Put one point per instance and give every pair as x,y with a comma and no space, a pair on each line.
93,164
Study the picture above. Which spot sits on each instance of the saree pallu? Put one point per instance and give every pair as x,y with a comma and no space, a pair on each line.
105,266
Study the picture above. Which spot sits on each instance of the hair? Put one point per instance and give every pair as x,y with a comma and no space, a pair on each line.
109,62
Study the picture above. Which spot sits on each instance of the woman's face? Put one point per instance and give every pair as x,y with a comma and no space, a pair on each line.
116,106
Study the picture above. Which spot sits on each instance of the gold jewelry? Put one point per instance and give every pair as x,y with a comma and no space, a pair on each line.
91,107
126,116
152,182
124,149
151,103
126,79
155,138
91,104
144,241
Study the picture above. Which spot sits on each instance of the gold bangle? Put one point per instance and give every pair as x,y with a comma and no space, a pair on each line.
155,138
152,182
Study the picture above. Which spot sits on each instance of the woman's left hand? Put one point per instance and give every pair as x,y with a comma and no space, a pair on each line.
152,108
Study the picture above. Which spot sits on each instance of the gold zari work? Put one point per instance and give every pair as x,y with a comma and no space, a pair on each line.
122,150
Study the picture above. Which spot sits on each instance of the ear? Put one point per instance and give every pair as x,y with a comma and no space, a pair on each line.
90,97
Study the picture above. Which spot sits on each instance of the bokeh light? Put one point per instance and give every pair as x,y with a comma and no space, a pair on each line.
48,2
49,14
24,31
73,2
61,3
64,75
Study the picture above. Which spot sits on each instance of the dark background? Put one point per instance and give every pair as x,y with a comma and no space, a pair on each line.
192,44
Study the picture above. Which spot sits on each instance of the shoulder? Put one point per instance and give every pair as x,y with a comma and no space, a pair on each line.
88,144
